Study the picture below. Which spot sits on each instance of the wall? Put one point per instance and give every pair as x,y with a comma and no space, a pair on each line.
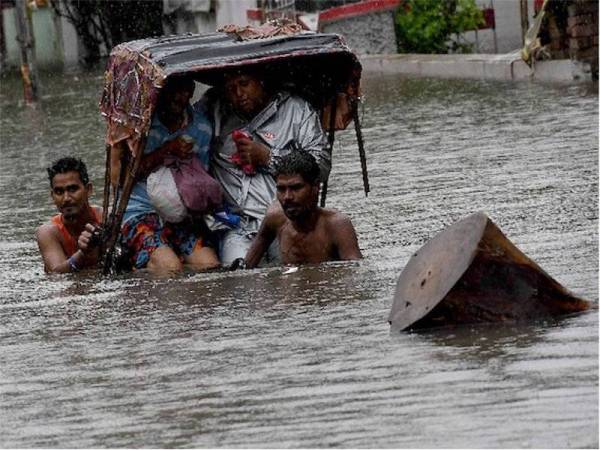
582,33
233,11
367,26
188,16
48,35
56,43
369,34
508,27
373,31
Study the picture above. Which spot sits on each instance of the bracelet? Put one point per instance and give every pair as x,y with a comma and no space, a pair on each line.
72,264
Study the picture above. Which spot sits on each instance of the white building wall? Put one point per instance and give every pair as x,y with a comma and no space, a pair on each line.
196,16
69,42
508,26
56,42
372,33
233,11
10,35
188,16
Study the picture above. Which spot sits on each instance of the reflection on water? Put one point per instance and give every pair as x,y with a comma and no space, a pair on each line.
305,359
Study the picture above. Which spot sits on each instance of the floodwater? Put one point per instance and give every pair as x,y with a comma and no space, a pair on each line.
266,358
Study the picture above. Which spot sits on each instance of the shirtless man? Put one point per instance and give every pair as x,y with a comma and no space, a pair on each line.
66,242
305,232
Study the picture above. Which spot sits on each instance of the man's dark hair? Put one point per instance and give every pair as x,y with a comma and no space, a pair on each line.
175,82
68,164
257,72
254,71
299,162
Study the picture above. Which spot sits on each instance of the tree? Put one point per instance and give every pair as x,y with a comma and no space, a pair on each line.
102,24
435,26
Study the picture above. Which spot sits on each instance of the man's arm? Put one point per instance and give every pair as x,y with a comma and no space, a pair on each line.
344,237
266,235
53,255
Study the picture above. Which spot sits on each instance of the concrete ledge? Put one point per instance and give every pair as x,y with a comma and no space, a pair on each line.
477,66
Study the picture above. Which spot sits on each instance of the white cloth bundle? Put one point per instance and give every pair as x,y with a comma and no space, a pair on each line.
164,196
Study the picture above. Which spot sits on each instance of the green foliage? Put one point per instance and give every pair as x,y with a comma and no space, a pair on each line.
435,26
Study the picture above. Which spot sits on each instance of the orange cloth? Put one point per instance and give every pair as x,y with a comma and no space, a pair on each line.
69,242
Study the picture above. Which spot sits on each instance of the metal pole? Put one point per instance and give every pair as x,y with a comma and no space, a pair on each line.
361,152
333,112
25,39
494,27
524,20
105,198
130,170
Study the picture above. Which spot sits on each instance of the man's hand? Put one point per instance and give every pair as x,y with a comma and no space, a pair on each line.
88,239
179,148
252,152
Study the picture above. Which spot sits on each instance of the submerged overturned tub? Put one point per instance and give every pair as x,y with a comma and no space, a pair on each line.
469,273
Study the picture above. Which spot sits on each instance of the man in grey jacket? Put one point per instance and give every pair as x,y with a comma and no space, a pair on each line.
253,128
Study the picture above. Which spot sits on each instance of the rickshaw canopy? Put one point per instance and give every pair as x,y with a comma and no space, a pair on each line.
317,65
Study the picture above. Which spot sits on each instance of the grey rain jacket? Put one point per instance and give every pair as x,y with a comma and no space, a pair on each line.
287,123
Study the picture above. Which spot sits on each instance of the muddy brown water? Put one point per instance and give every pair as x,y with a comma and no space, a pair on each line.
266,358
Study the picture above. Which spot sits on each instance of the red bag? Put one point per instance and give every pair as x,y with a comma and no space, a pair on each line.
200,192
248,169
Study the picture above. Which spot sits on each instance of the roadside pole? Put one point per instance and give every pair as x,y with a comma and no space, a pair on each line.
494,27
524,20
25,40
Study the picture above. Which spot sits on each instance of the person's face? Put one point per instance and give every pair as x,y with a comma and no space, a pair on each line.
69,194
297,197
246,94
174,99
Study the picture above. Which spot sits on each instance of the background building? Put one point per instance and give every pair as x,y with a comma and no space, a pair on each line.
570,29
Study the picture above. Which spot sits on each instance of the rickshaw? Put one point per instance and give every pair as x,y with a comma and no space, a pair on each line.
317,66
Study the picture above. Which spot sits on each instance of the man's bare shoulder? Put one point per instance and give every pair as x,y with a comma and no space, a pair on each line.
48,238
47,231
343,235
335,219
275,217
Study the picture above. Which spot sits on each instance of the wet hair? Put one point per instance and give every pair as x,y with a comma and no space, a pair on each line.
299,162
68,164
179,81
257,72
254,71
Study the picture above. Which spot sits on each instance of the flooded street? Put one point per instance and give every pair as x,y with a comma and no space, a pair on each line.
265,358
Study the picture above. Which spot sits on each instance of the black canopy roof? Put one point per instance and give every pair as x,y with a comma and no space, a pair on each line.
317,65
